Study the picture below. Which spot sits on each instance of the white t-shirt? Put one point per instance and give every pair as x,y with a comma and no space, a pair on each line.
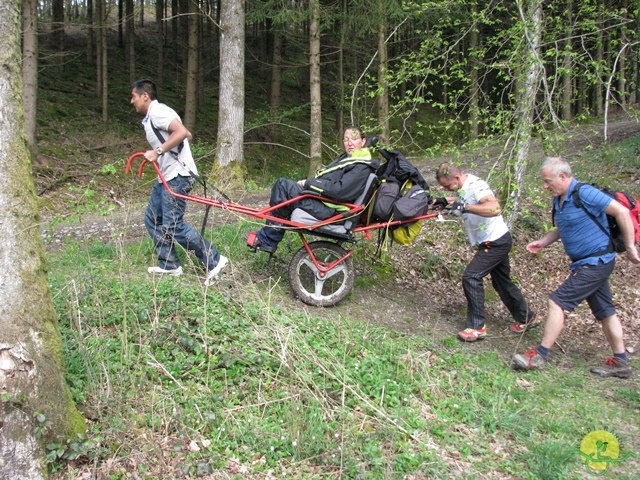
480,229
161,115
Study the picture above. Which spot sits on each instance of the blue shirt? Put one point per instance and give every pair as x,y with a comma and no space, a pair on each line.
579,234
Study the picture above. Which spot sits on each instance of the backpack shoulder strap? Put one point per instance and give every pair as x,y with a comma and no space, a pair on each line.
162,139
197,177
157,132
579,204
576,196
578,201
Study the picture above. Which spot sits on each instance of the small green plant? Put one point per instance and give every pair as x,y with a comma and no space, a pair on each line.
74,449
108,169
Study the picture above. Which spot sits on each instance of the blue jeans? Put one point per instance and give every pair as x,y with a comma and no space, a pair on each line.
164,220
283,190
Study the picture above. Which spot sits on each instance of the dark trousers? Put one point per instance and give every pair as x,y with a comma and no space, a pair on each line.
285,189
492,258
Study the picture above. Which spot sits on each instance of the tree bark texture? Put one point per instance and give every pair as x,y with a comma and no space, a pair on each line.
130,42
30,67
90,35
160,4
315,153
98,22
193,51
383,85
531,12
474,80
231,102
103,58
31,366
567,86
275,85
58,24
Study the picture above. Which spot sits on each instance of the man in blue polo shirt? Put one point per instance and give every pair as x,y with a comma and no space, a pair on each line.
592,260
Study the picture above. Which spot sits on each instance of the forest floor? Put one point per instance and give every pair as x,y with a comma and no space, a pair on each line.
409,301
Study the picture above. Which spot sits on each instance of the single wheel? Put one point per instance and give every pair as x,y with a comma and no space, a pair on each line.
315,289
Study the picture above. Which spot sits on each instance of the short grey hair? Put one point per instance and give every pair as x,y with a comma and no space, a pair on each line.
558,165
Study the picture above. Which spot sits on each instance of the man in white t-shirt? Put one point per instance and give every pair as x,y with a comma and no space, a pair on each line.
489,234
164,217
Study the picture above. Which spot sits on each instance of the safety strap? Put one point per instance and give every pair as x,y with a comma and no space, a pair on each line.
176,155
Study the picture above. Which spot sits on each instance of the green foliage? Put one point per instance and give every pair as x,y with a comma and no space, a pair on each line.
229,377
76,448
234,378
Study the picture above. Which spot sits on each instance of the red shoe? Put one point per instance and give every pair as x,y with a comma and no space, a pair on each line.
530,360
523,327
252,241
471,335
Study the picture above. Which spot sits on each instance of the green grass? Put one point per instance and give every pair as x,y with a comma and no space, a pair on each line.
227,380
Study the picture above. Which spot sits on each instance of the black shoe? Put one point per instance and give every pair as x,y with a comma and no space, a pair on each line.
253,243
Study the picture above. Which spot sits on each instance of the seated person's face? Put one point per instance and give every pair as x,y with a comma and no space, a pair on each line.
352,140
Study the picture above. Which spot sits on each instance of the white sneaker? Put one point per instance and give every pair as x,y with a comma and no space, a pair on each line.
211,276
176,272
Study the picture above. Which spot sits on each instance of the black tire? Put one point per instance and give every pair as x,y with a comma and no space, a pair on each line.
309,286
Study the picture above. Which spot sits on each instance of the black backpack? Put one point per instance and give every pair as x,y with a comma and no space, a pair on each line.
403,192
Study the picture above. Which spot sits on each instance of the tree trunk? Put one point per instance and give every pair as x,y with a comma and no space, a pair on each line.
231,103
567,90
103,56
174,27
98,22
121,21
31,364
191,94
160,40
474,81
531,16
276,63
275,95
58,25
383,85
314,82
599,98
130,43
183,35
30,68
90,35
341,87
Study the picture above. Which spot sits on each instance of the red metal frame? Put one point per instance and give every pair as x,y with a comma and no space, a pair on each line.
265,214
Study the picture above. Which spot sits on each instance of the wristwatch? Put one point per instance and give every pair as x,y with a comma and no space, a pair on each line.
159,151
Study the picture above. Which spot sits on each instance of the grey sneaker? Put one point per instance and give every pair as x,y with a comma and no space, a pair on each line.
614,367
176,272
530,360
213,273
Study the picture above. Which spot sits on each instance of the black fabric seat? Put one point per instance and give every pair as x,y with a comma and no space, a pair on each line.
344,227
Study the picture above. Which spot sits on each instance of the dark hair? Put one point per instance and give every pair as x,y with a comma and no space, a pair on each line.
446,170
357,129
145,86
